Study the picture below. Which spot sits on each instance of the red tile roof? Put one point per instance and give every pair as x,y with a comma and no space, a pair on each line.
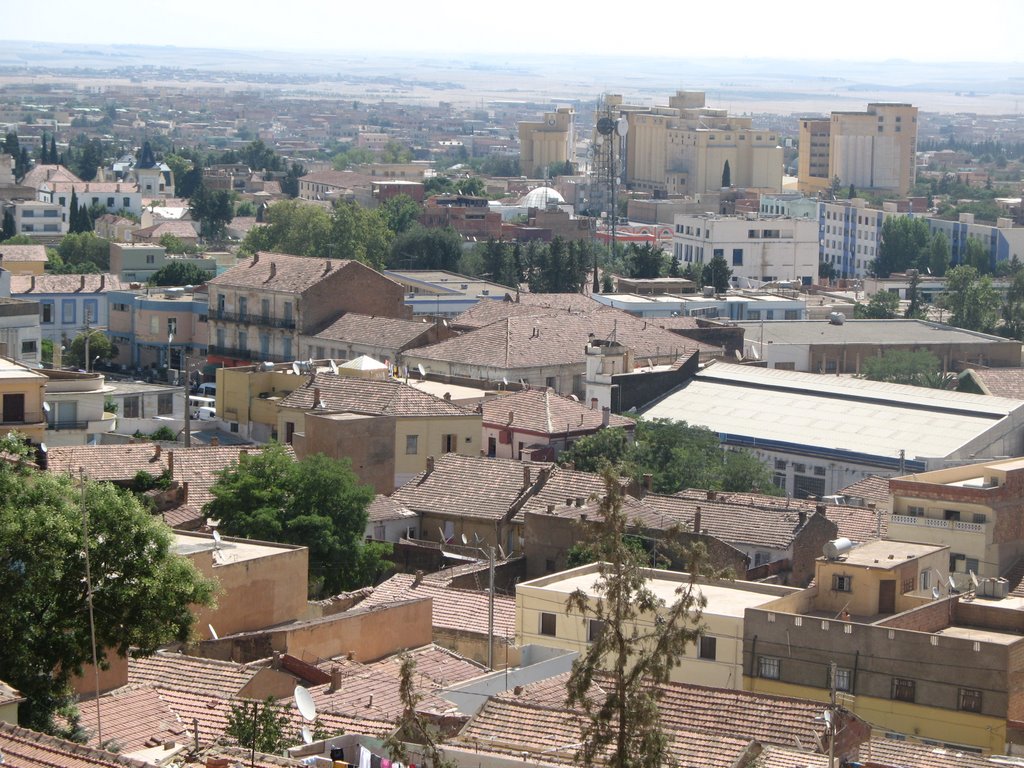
384,398
280,272
486,312
385,508
872,488
134,718
544,340
892,753
378,331
36,284
459,610
1000,382
545,412
23,748
23,253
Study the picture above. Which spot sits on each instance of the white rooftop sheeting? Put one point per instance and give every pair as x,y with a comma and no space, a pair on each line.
843,414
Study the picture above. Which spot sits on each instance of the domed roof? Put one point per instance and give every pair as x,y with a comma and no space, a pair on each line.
541,197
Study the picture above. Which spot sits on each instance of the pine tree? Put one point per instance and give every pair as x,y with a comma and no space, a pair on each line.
726,175
73,213
53,150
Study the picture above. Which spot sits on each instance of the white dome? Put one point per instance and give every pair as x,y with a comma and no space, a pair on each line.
541,197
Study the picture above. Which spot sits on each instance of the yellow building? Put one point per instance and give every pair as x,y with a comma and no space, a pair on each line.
23,259
875,149
715,660
909,658
552,140
22,392
9,701
248,397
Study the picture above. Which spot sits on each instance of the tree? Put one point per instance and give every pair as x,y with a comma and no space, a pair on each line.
593,452
360,234
914,310
100,347
852,192
290,182
903,239
726,175
142,592
422,248
9,226
180,272
919,368
976,256
1013,308
258,726
292,227
317,503
973,302
644,261
85,247
213,209
717,273
621,720
401,213
938,254
884,305
410,726
175,245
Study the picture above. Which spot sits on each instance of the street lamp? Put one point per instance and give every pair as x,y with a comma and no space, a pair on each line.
183,380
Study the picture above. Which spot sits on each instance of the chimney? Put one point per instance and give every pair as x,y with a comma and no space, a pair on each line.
579,501
712,495
819,509
184,492
156,451
103,280
696,521
214,441
527,480
170,463
593,403
417,579
255,260
448,397
335,680
430,464
32,285
551,509
327,267
276,662
273,272
81,286
802,516
583,517
316,397
648,484
606,416
511,416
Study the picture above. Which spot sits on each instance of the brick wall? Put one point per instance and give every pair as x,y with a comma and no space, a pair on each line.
353,287
928,618
367,441
807,548
637,391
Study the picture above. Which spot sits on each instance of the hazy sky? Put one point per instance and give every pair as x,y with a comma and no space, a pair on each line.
865,30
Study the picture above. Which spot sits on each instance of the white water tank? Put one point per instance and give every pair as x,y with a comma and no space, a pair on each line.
836,548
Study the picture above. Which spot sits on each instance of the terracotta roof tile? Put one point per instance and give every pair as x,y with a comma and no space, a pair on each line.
134,718
23,748
279,272
453,609
469,486
385,508
543,340
892,753
48,173
486,312
379,331
23,253
564,486
1001,382
176,671
782,757
545,412
37,284
384,398
872,488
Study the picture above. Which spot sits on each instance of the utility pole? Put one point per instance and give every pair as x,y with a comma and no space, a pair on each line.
832,715
88,594
490,615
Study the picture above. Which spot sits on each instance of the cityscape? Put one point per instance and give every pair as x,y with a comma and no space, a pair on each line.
413,391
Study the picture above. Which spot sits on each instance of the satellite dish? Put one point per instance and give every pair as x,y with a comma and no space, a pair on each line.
213,632
501,552
419,367
936,592
304,701
952,584
739,355
504,380
827,716
464,539
440,532
334,367
43,448
307,735
216,540
46,407
974,579
295,367
622,126
605,126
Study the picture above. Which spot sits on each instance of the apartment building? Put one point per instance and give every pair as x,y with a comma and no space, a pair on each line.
67,303
159,327
74,410
875,149
260,308
22,393
764,250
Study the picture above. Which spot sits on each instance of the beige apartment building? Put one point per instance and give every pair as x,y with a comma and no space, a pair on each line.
875,149
551,140
684,148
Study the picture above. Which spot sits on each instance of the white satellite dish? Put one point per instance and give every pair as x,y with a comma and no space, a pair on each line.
504,380
739,355
334,367
827,716
974,579
952,584
295,367
622,126
423,373
213,632
440,532
936,592
464,539
216,540
304,701
46,407
501,552
307,735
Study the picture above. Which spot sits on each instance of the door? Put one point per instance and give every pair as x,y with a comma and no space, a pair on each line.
14,408
887,596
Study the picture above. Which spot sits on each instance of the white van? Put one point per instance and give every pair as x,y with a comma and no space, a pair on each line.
202,408
207,389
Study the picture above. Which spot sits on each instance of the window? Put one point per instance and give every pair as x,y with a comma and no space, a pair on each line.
412,445
243,305
801,468
969,700
595,628
902,689
131,407
737,257
768,667
972,565
172,325
28,347
154,325
707,647
265,309
926,580
844,679
110,202
165,403
915,511
243,340
842,583
151,258
547,624
449,443
550,382
718,252
286,347
780,464
67,311
819,471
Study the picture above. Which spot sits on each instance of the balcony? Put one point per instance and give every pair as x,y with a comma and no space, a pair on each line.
931,522
246,318
25,420
235,353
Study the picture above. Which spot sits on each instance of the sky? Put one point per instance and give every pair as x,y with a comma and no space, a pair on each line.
862,30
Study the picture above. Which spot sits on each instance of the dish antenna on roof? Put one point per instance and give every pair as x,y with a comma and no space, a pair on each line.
952,585
213,632
464,540
295,367
423,373
46,407
504,380
974,579
440,532
334,367
936,592
739,355
216,541
502,552
304,702
307,735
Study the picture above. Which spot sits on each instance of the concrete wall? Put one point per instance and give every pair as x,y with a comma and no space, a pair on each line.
367,441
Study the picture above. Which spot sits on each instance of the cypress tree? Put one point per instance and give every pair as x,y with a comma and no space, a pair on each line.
53,150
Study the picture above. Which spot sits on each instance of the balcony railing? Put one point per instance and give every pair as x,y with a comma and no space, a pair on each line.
68,426
26,418
247,318
245,354
931,522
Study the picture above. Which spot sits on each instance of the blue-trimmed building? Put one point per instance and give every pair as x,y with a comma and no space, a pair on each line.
67,303
153,328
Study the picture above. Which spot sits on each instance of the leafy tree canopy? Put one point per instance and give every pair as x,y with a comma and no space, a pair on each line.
972,300
142,591
717,273
180,272
318,503
644,261
422,248
904,242
85,247
919,368
100,347
884,305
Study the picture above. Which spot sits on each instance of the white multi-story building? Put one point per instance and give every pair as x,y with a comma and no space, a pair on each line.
757,249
